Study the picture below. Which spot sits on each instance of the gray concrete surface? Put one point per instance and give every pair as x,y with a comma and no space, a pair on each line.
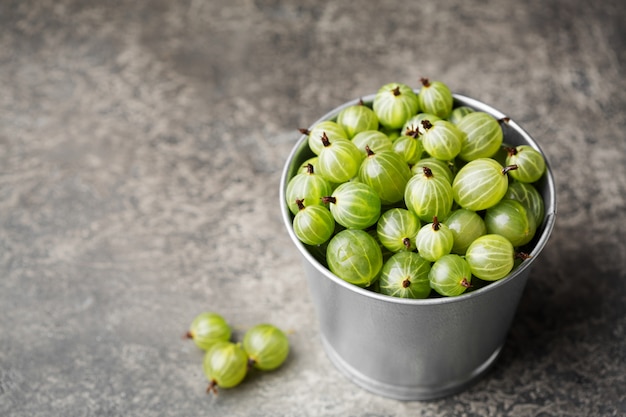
141,145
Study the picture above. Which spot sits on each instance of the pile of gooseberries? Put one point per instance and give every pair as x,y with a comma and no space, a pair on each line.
415,196
226,363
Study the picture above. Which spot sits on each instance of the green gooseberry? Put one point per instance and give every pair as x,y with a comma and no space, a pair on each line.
387,173
307,186
490,257
450,275
225,365
441,139
434,240
354,205
266,345
355,256
482,136
466,226
510,219
208,328
313,225
480,184
357,118
435,97
530,198
327,129
530,163
428,195
339,161
458,113
374,139
405,275
396,229
394,103
439,168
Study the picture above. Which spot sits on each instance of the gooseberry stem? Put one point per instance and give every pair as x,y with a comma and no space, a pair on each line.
212,388
510,150
309,169
396,91
300,204
413,131
508,168
465,283
188,335
329,199
427,124
407,243
436,224
425,82
427,172
368,150
406,283
325,140
304,131
522,255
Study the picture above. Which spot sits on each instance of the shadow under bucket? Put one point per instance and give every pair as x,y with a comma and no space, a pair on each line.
416,349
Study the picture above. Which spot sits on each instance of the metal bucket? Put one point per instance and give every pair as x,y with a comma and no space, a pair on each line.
416,349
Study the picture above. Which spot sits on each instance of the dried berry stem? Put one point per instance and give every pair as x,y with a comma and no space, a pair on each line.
436,224
425,82
508,168
406,283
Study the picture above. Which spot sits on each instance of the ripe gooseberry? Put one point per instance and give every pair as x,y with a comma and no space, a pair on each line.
207,329
490,257
307,186
394,103
530,163
427,195
267,346
326,128
441,139
434,240
435,97
396,229
354,256
338,161
405,275
313,225
354,205
482,136
387,173
510,219
450,275
357,118
480,184
225,365
530,198
466,226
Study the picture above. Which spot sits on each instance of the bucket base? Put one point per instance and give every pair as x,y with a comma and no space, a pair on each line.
407,393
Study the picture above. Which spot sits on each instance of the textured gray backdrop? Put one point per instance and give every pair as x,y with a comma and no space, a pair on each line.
141,145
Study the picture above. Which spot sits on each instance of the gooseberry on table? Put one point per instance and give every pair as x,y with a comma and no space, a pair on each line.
266,345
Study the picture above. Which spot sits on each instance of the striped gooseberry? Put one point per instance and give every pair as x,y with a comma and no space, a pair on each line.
326,128
441,169
266,345
405,275
466,226
480,184
313,225
387,173
530,198
225,365
529,161
374,139
357,118
441,139
428,195
434,240
510,219
450,275
354,256
414,123
482,136
394,104
339,161
435,97
458,113
208,328
409,146
354,205
490,257
307,186
396,229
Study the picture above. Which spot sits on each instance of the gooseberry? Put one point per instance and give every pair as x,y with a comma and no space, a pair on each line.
208,328
266,345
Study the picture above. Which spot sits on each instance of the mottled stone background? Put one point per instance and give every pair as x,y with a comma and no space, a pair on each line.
141,144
